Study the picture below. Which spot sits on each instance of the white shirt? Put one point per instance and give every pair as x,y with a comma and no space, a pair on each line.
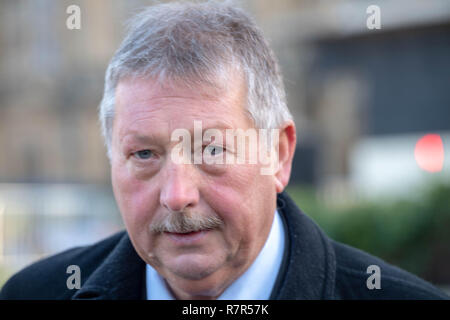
256,283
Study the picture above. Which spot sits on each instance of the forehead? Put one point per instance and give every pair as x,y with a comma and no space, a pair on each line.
147,105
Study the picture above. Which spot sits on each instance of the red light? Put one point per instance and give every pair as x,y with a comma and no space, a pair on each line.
429,153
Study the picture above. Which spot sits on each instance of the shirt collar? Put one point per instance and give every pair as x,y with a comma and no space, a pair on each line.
257,281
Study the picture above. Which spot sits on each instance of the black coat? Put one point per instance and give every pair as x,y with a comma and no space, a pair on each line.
313,267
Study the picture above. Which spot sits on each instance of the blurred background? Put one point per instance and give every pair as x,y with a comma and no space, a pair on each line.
372,109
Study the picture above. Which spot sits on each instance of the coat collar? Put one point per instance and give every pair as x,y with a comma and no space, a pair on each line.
307,271
309,265
120,276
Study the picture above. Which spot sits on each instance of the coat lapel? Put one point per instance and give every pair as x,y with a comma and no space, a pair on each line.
120,276
309,264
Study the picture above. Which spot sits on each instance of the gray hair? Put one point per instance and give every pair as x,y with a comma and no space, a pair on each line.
196,43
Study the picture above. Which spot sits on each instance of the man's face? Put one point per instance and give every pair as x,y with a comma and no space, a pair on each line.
149,186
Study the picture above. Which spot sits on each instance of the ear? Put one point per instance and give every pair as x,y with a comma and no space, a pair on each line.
286,147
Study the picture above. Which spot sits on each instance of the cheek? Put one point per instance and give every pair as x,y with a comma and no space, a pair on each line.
242,186
244,199
135,198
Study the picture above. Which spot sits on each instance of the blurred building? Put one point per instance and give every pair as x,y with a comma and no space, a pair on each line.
343,80
54,175
361,98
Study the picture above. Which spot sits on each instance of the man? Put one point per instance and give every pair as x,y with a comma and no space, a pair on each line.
192,95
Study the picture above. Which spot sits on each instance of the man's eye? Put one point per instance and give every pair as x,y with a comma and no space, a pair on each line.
213,150
143,154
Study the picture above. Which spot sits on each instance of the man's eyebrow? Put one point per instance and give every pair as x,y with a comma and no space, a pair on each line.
138,138
144,138
221,125
141,138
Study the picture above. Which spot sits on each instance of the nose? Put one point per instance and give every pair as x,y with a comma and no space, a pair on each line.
179,190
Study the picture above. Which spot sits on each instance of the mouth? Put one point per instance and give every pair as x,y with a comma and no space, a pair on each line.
192,237
185,233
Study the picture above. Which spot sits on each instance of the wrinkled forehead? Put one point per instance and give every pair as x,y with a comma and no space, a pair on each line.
142,103
210,83
132,90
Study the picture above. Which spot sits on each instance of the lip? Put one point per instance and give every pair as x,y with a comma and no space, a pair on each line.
187,238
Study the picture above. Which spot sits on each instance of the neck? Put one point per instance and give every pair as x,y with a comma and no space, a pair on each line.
208,288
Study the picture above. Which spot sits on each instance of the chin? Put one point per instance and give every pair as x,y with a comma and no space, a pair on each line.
193,267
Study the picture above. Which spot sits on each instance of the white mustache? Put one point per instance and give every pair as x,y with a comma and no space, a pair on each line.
181,222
